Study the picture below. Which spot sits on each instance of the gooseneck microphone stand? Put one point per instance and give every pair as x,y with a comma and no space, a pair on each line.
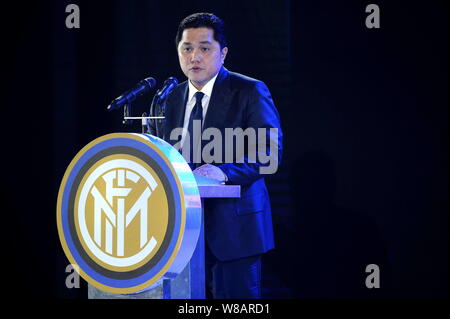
128,119
152,124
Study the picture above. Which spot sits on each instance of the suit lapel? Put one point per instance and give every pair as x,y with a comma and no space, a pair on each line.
219,102
175,109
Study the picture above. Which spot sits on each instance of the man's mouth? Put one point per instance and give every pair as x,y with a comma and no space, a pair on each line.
196,69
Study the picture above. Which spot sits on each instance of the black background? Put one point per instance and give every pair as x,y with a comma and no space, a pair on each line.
364,112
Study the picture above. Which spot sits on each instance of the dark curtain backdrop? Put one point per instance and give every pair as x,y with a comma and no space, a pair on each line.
364,178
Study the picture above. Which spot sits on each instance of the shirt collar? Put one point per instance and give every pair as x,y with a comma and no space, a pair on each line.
207,89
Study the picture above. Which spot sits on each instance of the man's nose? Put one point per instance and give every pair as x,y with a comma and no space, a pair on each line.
196,56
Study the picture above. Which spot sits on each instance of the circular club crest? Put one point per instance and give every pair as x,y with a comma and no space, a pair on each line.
128,212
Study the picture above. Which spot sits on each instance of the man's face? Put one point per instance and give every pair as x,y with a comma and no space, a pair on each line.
200,55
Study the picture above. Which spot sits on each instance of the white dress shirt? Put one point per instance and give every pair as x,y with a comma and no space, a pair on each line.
207,90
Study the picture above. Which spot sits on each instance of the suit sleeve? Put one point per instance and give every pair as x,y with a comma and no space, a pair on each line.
261,115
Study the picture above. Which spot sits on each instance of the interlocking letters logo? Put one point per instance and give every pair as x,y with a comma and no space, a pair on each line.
104,221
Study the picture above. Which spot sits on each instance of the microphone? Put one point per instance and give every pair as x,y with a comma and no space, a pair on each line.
129,96
168,86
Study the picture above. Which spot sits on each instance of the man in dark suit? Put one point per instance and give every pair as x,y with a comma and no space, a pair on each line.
237,231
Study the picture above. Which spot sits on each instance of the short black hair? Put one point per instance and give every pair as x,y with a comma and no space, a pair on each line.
203,20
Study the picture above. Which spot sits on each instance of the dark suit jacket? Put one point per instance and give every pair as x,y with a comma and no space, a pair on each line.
234,228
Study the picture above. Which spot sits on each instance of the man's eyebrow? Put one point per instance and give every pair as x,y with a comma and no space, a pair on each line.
201,42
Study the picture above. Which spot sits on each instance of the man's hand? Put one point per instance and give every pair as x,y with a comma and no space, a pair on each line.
212,172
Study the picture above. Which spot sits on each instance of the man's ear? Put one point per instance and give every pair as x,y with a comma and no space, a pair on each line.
224,54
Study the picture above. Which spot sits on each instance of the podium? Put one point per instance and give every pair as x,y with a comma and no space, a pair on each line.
130,218
190,284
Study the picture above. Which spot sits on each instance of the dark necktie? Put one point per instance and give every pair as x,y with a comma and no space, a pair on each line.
196,114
